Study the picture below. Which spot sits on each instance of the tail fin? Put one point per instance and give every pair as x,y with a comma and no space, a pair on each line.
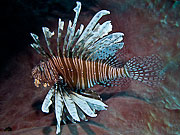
147,69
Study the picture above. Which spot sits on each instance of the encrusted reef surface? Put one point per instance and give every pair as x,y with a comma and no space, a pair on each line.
150,27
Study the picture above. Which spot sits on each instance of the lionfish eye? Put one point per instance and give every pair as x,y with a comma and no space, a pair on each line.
60,78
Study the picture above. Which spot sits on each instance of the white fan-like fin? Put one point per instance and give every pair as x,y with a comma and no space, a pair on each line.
58,110
104,53
83,105
71,107
90,100
88,32
98,33
92,23
108,40
106,46
47,101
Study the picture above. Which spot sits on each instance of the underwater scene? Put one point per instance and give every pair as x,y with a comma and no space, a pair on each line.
90,67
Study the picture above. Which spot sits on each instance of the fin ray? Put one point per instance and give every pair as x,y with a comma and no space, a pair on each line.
58,110
71,107
147,69
83,105
47,101
91,100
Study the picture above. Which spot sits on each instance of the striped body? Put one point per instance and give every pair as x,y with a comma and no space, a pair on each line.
78,73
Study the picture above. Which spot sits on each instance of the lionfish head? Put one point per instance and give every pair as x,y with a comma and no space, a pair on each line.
36,74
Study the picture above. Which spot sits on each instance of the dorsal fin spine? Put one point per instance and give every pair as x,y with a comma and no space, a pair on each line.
78,33
60,29
72,28
66,38
48,35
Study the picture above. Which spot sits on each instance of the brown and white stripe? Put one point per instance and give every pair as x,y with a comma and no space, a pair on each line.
78,73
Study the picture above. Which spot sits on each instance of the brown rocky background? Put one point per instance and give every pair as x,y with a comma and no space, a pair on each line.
150,26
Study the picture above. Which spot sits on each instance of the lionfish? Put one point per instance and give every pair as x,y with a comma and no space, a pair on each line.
87,57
